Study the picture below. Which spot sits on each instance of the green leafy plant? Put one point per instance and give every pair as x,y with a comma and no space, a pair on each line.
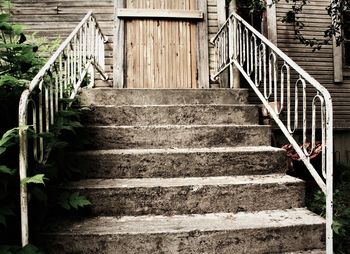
29,249
72,200
341,225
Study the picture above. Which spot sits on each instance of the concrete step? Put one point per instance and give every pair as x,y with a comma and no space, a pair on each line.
254,233
190,195
307,252
178,136
117,97
173,115
195,162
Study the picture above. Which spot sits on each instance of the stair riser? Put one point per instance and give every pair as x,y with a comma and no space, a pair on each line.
194,199
173,115
256,241
178,137
168,164
162,96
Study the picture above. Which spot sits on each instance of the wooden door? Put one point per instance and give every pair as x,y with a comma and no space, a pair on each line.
161,43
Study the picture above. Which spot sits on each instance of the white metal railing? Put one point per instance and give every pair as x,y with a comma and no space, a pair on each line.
275,77
62,76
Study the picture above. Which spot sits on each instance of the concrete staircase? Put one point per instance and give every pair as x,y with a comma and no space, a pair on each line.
185,171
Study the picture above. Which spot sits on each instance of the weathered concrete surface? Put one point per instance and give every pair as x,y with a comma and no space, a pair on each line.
173,114
187,152
198,162
307,252
253,233
109,96
179,136
191,195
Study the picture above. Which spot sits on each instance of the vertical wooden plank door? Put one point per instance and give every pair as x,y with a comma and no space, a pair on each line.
160,51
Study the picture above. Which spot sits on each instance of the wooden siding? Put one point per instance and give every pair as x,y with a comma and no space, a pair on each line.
320,63
213,29
54,18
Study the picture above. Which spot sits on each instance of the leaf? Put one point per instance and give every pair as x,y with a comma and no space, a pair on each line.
67,200
6,170
2,150
337,226
4,17
76,201
37,179
8,135
17,29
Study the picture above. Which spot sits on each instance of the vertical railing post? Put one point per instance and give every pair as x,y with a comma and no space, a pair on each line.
23,166
235,81
329,176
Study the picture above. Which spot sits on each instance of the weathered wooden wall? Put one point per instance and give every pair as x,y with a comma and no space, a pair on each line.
161,53
320,63
213,29
58,18
54,18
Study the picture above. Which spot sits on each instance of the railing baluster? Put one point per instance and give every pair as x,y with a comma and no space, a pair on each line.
41,123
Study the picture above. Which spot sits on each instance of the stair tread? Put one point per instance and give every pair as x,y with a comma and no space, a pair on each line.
167,89
185,181
169,126
307,252
176,105
162,96
243,149
159,224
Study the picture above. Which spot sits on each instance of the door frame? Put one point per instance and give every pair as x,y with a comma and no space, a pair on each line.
119,50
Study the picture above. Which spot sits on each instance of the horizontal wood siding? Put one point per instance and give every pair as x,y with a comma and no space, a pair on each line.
53,18
57,18
320,63
213,29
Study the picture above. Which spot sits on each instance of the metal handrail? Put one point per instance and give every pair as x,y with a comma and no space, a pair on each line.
269,71
60,78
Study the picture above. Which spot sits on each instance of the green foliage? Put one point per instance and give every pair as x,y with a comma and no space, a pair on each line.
29,249
72,200
335,10
341,223
37,179
6,170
